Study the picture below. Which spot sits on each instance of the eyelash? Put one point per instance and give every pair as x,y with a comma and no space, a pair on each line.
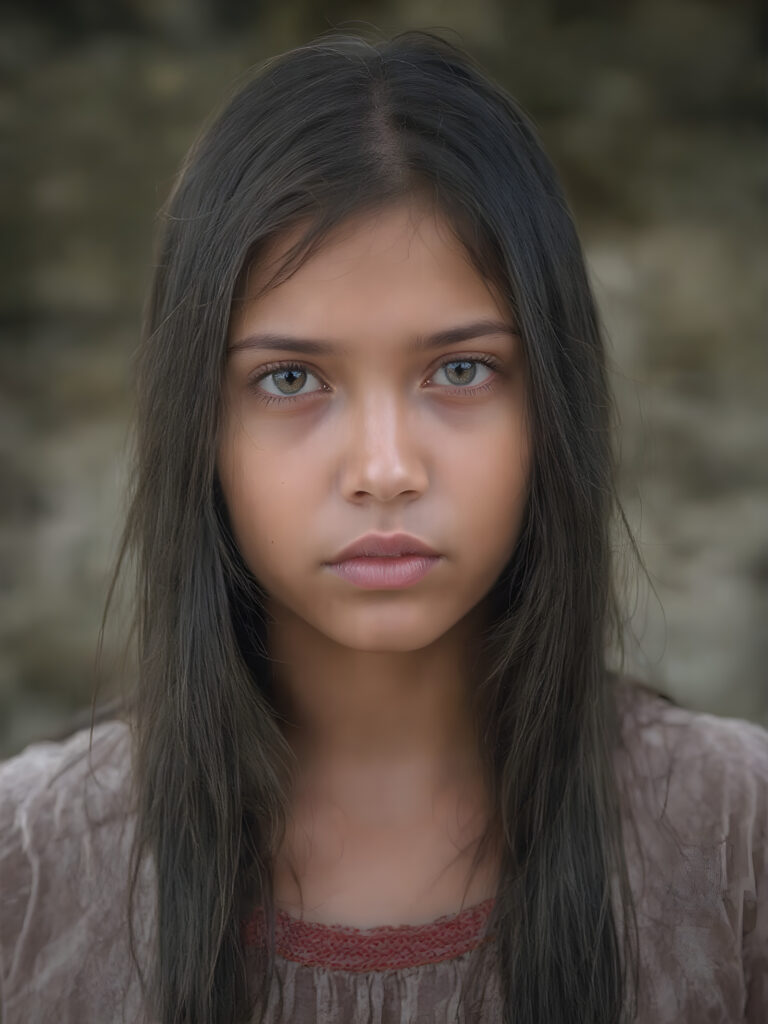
266,371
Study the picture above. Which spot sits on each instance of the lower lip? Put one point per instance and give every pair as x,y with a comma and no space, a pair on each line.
384,573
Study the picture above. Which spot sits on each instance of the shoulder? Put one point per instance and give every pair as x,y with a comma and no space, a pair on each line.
65,838
695,802
700,758
44,771
53,792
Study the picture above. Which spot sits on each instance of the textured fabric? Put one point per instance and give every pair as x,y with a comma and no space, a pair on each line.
386,948
425,994
696,808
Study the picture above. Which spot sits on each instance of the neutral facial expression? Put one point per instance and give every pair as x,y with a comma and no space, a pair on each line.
387,422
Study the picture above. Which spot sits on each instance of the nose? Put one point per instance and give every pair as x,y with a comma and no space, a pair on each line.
384,456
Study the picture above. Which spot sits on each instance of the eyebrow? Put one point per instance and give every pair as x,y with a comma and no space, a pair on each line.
421,343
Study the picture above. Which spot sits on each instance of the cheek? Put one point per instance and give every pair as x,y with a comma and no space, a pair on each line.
495,469
255,496
269,495
493,493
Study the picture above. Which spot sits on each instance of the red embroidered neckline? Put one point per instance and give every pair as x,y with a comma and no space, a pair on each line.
383,948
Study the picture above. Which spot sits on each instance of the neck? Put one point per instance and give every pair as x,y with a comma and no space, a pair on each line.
398,722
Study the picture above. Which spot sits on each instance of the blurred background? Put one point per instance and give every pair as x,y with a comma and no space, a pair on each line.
653,110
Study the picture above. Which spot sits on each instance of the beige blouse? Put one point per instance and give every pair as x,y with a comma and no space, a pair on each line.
698,786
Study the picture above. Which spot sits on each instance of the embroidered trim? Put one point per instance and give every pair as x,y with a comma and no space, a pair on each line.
383,948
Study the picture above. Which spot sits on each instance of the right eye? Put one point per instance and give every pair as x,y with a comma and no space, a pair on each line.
287,378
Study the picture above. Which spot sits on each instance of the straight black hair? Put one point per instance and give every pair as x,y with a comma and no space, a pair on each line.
336,127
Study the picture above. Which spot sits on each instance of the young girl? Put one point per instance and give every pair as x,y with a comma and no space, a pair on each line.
374,767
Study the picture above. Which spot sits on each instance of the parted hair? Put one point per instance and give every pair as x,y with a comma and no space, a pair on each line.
336,127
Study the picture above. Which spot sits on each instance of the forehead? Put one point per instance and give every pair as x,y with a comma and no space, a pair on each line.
404,257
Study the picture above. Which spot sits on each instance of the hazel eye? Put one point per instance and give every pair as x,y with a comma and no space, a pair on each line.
289,379
464,371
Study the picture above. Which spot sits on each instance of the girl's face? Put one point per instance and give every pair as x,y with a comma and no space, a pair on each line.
372,431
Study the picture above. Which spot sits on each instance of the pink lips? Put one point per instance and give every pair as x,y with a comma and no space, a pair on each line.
380,561
386,544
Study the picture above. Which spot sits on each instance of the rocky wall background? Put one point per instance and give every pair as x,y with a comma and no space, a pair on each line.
654,111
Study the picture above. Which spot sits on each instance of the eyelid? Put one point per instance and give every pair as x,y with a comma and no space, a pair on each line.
263,371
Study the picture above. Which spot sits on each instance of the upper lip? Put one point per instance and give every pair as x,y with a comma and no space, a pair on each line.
384,544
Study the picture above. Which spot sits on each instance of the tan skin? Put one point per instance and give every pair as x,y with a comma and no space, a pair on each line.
389,797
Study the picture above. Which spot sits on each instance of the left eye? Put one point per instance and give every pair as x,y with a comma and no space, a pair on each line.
464,370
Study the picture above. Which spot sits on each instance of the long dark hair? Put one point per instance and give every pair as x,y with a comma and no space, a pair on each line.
332,128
